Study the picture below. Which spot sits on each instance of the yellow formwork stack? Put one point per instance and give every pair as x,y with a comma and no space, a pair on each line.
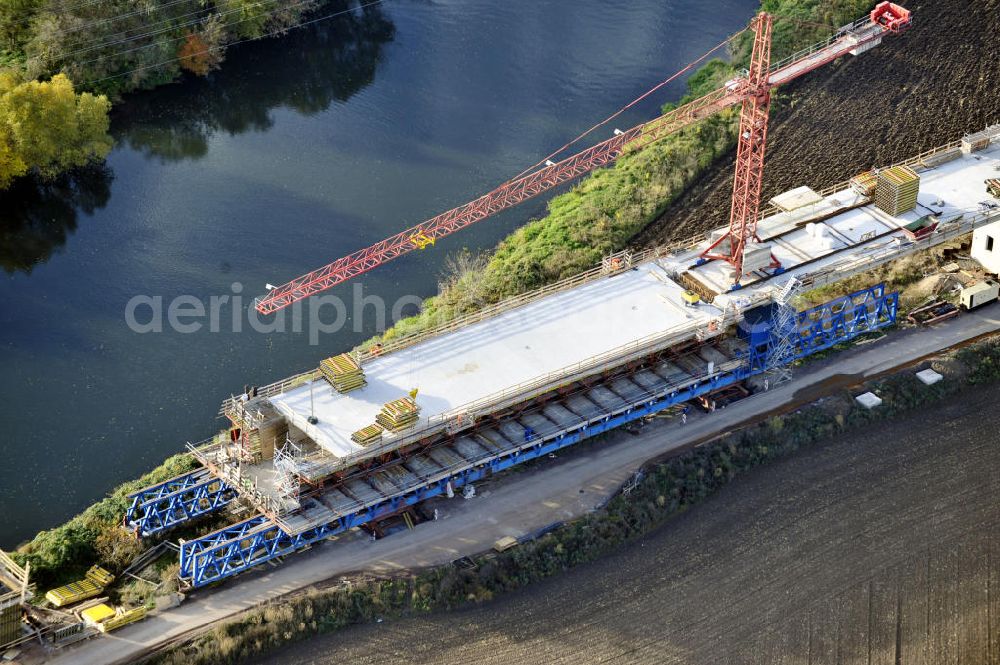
367,436
399,414
343,372
897,189
121,618
91,585
864,183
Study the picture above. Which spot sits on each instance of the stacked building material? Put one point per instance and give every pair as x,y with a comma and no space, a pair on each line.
91,585
366,436
399,414
993,187
897,189
343,372
864,183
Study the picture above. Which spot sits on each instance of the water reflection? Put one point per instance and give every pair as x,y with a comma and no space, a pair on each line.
38,216
306,71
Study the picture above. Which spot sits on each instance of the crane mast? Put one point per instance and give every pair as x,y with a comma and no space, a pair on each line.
752,91
752,145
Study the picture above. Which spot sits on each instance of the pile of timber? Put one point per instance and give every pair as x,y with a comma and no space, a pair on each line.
399,414
367,436
343,373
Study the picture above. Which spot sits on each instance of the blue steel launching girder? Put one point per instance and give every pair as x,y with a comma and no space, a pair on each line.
172,502
241,546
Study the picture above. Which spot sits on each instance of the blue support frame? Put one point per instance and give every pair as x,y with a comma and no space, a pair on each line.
843,319
241,546
160,507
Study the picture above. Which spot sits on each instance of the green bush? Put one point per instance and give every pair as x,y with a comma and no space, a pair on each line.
63,554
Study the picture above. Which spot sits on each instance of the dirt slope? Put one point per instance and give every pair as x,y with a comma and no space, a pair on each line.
916,91
880,548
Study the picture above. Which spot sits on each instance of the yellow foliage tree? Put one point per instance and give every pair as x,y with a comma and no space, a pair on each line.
47,128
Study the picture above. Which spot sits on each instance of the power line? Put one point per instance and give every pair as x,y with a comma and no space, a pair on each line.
182,37
632,103
118,17
240,41
64,11
160,31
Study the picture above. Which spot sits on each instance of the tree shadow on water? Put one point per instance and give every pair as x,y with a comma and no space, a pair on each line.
36,216
306,70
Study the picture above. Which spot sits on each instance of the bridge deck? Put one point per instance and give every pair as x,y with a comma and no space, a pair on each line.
500,354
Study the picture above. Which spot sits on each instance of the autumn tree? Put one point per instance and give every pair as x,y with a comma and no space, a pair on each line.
46,128
195,55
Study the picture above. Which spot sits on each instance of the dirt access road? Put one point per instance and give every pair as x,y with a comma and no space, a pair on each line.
922,89
881,547
517,503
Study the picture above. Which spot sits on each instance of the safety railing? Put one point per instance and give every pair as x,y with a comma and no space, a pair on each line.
897,247
822,45
508,304
526,390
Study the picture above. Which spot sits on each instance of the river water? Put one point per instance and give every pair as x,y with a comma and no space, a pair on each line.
298,151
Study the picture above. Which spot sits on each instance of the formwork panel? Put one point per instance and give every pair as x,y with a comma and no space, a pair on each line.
363,491
384,484
490,444
446,457
468,448
512,430
560,415
10,623
692,365
584,406
711,354
422,465
538,422
605,398
648,380
337,501
400,475
628,390
496,438
671,372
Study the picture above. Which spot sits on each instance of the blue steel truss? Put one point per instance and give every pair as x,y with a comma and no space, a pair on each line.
845,318
172,502
241,546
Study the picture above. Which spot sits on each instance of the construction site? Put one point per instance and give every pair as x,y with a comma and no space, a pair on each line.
361,440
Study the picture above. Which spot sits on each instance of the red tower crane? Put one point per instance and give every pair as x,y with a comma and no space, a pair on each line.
752,90
756,89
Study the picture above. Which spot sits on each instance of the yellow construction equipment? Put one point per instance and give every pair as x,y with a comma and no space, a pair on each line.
91,585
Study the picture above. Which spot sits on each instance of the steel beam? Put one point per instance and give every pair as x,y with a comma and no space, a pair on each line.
165,505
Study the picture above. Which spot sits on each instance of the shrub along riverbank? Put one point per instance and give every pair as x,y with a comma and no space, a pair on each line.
109,48
596,217
668,488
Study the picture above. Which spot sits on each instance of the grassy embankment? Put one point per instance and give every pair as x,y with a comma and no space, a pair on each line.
668,488
595,218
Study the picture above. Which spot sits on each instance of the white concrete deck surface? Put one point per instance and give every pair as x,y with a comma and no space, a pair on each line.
486,358
953,188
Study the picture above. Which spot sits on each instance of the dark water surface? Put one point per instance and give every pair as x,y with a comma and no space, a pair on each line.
298,151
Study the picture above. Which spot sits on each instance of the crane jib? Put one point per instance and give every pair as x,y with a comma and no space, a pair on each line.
886,18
